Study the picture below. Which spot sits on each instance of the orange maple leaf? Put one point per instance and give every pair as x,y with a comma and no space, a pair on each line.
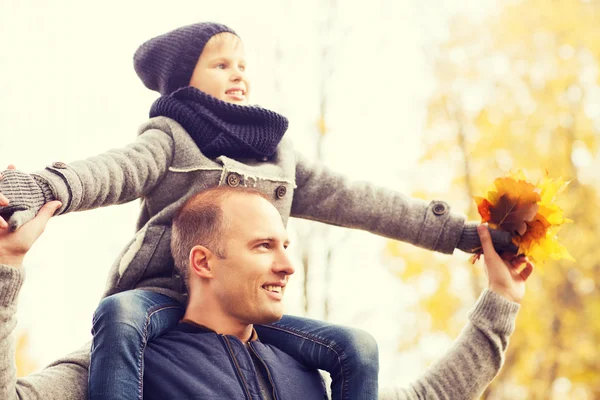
510,206
529,213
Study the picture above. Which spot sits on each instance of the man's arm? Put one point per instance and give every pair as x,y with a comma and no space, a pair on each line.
64,379
478,354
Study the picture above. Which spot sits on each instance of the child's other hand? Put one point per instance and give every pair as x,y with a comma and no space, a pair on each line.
23,195
4,201
503,276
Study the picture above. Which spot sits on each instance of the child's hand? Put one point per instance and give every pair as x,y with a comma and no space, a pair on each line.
4,202
503,276
14,245
469,241
21,197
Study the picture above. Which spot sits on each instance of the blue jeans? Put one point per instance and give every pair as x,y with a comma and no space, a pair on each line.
125,322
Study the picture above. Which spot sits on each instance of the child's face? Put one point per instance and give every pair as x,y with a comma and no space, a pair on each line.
220,70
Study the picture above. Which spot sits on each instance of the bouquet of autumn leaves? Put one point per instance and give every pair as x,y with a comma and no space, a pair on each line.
529,213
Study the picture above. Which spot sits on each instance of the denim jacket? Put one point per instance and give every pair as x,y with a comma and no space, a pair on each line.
193,362
164,167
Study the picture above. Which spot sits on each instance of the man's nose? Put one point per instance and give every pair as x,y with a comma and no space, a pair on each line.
284,264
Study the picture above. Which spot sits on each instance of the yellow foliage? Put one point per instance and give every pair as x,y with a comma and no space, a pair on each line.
535,110
25,364
322,126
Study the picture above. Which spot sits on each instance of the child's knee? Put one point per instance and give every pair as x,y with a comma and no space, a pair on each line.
120,307
359,347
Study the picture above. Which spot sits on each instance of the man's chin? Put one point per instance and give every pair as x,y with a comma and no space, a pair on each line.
269,318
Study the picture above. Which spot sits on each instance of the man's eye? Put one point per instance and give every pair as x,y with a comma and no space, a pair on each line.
265,245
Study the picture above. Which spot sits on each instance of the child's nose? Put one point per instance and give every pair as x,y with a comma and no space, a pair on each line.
237,75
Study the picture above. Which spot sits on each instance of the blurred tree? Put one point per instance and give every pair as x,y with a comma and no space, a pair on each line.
25,364
316,241
521,90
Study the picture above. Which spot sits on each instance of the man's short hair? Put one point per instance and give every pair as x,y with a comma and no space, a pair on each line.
200,222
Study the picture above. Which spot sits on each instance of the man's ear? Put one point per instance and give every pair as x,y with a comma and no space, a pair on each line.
200,258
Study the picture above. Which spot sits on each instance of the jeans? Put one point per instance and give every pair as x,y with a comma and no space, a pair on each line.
125,322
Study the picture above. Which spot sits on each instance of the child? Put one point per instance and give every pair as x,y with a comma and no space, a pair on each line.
202,133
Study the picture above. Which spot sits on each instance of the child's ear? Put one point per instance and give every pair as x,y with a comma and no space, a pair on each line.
200,261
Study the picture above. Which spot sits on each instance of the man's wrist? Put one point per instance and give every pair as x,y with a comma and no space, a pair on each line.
11,281
11,260
494,311
504,293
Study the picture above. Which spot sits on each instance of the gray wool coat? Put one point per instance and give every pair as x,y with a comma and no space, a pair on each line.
164,167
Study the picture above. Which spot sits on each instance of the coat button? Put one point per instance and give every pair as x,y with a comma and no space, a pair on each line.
59,165
233,179
440,208
280,192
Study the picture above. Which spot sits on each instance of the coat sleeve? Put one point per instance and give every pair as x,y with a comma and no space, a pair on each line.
114,177
325,196
473,361
65,379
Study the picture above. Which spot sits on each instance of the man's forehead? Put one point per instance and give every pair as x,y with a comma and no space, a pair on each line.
253,216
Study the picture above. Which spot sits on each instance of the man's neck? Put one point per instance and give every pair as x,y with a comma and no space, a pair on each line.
218,322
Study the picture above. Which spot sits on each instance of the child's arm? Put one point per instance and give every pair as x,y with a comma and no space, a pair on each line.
325,196
114,177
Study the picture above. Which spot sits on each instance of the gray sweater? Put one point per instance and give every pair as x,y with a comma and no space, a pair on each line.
463,373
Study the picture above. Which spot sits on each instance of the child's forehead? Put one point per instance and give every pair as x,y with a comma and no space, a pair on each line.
224,40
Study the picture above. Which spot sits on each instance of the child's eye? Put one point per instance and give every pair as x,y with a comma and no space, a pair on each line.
242,67
221,66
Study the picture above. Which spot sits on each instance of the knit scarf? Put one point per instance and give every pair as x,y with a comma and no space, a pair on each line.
221,128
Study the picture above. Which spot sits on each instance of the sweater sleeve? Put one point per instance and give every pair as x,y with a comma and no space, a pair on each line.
114,177
325,196
65,379
473,361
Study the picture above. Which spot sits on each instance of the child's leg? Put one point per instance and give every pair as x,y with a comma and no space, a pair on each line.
122,326
349,355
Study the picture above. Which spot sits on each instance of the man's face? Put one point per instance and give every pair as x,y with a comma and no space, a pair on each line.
250,281
221,70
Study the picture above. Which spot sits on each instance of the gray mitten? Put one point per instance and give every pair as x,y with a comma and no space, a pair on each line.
26,195
469,241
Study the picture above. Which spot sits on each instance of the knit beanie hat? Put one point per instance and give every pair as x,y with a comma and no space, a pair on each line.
166,62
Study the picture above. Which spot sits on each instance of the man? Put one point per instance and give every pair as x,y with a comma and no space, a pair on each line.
237,283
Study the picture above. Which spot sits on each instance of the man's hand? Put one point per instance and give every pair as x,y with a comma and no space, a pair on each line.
503,276
15,244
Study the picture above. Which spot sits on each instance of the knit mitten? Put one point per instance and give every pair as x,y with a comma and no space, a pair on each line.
469,241
26,195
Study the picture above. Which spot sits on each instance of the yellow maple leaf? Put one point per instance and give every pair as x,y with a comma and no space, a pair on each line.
529,212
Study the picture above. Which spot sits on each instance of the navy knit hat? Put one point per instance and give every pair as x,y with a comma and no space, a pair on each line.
166,62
